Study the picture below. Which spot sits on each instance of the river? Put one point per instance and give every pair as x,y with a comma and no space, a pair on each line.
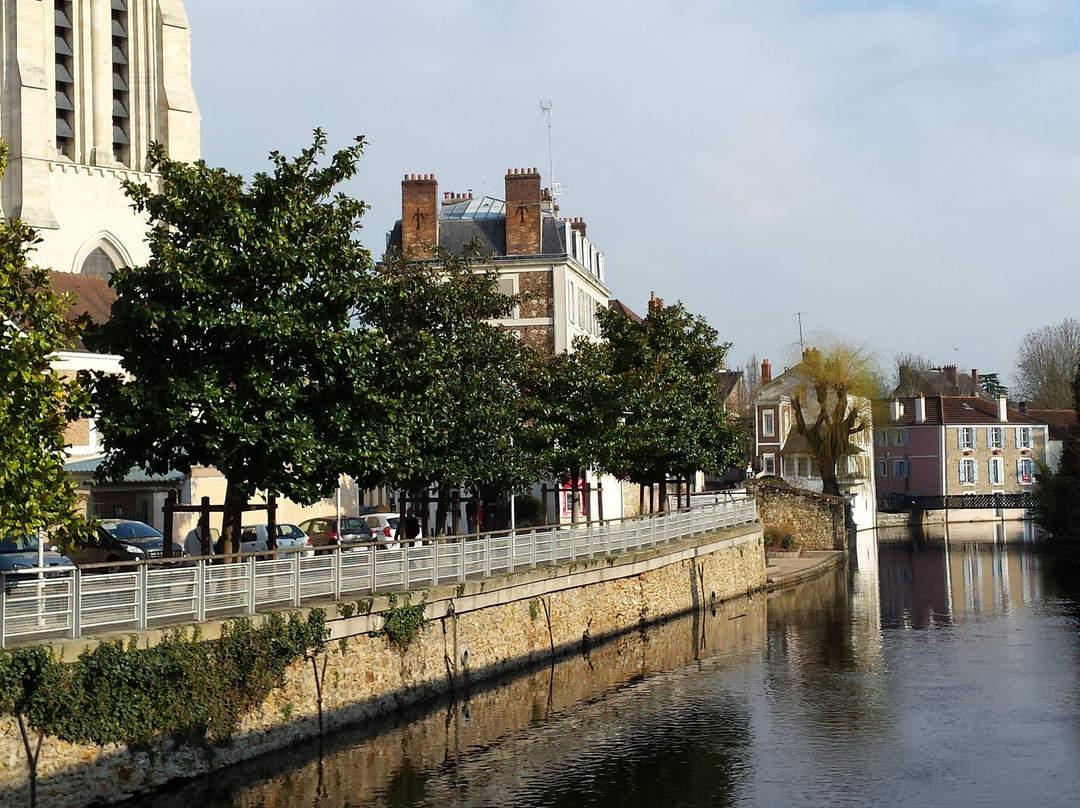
933,672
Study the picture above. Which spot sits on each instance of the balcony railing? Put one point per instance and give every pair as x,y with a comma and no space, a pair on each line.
69,603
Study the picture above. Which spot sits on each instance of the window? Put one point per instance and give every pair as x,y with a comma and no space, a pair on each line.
969,472
769,464
881,437
121,104
966,437
570,297
995,437
65,83
881,468
1023,437
768,423
900,437
900,468
1025,470
997,471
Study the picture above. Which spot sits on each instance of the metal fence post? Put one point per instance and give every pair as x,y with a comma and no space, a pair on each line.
76,604
374,565
435,562
3,603
406,546
140,598
200,591
487,556
250,572
337,573
295,579
461,574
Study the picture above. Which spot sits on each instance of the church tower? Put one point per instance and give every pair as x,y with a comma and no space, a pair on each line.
86,87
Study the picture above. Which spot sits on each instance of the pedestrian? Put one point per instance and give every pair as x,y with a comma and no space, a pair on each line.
412,528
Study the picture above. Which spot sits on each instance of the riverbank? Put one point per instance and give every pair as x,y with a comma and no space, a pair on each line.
783,571
473,632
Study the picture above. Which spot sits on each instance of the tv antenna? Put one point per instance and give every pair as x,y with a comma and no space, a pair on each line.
802,345
556,187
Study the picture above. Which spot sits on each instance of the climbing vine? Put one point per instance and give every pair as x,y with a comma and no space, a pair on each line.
402,624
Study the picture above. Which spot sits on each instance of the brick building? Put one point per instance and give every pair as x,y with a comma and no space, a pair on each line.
547,260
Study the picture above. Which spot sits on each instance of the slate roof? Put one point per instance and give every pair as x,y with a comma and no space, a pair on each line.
953,410
484,220
92,295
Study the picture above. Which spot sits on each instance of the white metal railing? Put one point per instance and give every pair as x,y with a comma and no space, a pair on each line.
68,602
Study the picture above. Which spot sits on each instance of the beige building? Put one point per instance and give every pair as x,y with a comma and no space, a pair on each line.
87,86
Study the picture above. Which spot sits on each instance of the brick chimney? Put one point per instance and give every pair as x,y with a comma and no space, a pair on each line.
766,371
975,377
523,219
419,215
654,301
950,374
579,225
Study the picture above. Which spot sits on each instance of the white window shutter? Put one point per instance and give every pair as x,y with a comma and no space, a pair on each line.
975,472
1019,470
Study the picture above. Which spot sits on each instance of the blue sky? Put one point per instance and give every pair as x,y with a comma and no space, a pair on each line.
906,174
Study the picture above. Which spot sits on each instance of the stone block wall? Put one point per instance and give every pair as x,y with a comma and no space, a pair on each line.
476,630
818,518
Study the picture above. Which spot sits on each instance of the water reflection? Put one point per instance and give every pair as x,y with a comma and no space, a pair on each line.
937,670
973,570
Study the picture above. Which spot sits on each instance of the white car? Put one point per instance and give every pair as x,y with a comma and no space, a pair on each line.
384,529
253,539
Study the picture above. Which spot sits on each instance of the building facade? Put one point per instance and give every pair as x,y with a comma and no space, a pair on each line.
547,260
782,452
87,86
954,445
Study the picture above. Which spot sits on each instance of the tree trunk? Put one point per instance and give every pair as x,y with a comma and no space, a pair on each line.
829,485
442,508
232,518
662,505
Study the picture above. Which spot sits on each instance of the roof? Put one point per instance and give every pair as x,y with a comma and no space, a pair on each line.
1059,422
484,220
728,381
92,295
948,410
617,305
89,465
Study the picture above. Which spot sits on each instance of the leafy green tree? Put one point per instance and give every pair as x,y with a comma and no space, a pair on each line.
36,493
452,377
992,385
672,419
239,335
1056,504
832,402
573,409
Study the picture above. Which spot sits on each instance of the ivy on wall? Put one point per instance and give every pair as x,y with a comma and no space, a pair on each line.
185,687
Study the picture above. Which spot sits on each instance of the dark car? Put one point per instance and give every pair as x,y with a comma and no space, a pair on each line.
19,555
121,540
325,532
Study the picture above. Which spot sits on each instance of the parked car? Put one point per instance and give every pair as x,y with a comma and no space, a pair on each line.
324,531
120,540
384,529
19,555
253,539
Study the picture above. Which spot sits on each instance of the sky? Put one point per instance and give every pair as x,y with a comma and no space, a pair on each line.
904,174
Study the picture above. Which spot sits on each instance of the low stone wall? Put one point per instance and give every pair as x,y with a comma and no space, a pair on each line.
476,631
818,519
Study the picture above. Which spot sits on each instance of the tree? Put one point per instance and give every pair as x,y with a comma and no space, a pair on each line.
36,493
238,336
1046,363
992,385
573,411
673,421
912,374
1056,504
833,402
452,376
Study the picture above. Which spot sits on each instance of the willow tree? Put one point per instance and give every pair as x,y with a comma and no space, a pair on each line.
35,492
238,337
832,402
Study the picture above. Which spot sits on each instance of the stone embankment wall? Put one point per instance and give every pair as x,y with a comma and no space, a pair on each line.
818,519
477,630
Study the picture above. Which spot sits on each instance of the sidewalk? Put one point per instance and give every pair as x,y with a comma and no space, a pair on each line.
784,571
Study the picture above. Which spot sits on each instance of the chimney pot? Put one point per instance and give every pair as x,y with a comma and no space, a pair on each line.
1003,409
766,371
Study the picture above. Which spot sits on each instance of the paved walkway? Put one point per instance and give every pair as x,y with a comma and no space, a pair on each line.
783,571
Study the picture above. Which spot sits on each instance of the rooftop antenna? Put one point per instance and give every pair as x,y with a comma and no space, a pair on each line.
556,187
802,345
